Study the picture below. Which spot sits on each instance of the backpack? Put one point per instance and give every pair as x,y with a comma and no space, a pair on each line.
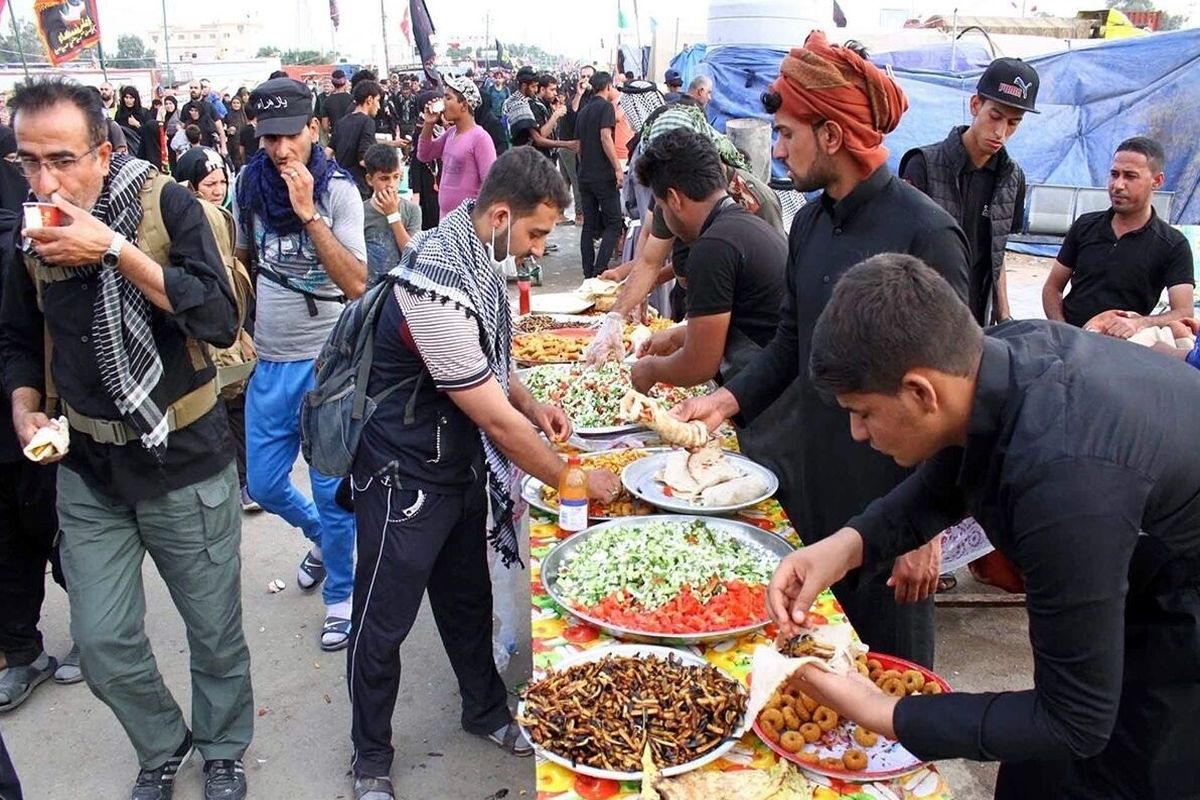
337,409
234,364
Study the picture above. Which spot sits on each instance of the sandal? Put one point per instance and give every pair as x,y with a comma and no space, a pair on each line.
374,789
17,683
339,631
512,740
946,583
312,568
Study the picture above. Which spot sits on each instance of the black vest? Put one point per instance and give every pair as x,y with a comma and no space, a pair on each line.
944,162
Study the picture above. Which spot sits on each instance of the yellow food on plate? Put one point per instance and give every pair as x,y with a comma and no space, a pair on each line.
625,504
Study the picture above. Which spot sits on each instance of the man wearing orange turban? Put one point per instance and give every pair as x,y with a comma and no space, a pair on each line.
832,110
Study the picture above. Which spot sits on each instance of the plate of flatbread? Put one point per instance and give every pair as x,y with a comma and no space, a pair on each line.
708,480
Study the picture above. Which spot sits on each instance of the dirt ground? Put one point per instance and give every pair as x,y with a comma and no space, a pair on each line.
66,744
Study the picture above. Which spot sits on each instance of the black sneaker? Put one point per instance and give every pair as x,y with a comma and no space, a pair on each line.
159,783
224,779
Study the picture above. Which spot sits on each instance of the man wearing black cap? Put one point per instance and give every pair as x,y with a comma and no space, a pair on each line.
338,102
972,176
300,222
674,86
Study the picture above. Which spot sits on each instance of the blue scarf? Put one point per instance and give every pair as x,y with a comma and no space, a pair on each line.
262,193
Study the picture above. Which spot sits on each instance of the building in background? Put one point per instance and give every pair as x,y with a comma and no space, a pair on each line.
216,41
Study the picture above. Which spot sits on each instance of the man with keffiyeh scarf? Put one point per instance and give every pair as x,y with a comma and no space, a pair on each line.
300,224
440,450
148,470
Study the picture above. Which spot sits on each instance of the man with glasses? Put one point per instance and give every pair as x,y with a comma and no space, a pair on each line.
150,465
832,109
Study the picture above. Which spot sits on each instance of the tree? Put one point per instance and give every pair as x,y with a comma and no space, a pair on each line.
267,52
31,44
303,57
132,52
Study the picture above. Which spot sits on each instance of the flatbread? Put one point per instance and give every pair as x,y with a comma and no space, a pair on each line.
676,475
52,441
733,492
781,782
637,407
770,669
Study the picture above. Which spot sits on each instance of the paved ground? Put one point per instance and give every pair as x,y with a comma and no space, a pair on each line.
67,745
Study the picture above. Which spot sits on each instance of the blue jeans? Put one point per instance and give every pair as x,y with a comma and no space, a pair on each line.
273,401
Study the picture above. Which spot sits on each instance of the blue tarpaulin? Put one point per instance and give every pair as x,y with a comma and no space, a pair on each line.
1091,99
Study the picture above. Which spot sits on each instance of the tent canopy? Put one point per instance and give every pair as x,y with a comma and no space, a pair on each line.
1091,99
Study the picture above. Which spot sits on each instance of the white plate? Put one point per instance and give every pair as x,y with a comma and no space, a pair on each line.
635,650
639,479
558,303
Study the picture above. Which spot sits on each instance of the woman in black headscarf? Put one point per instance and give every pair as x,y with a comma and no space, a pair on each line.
14,189
206,124
140,127
233,122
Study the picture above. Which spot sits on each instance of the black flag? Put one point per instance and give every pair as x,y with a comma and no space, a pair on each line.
422,28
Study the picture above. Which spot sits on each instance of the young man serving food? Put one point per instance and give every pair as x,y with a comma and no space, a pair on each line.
1077,456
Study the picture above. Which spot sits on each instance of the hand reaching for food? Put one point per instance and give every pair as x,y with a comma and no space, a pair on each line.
637,407
608,343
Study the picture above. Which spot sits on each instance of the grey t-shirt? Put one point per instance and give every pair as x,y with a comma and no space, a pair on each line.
283,328
382,252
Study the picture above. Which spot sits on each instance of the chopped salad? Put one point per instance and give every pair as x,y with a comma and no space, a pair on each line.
668,577
591,396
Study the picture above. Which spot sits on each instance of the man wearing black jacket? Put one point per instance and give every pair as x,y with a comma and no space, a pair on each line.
973,177
1077,454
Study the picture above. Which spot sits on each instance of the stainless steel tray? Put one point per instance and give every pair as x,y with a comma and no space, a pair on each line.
740,530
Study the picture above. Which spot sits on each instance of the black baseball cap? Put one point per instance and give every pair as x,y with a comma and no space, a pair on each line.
1010,81
526,75
282,107
673,78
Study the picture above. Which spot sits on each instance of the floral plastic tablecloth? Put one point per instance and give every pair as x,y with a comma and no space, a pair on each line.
556,635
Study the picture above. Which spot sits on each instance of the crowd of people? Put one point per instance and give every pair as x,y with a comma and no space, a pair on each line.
1073,449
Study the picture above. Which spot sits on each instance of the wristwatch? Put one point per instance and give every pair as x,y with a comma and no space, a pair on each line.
112,256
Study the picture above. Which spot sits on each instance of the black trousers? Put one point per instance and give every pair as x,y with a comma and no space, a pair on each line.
28,527
1154,750
601,220
10,787
410,541
235,409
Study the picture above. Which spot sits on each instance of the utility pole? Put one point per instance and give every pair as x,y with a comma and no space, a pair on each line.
170,78
12,14
383,25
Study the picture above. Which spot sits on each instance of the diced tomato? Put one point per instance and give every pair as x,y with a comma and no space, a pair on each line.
735,606
596,788
579,634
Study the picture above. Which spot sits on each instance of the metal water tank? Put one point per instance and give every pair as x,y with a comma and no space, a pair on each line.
780,24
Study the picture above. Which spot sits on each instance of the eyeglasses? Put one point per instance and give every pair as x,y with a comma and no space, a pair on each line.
30,167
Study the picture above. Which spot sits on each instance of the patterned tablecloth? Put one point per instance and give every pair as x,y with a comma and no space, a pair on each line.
556,635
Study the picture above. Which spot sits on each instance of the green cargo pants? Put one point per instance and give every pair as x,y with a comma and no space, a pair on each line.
193,534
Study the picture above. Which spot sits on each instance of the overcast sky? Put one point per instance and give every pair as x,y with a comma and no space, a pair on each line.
574,31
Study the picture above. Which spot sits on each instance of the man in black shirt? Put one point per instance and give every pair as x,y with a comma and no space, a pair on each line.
208,111
355,133
150,465
1077,454
973,177
601,176
337,103
1118,262
830,135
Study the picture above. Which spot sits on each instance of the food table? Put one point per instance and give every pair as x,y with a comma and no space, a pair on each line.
556,635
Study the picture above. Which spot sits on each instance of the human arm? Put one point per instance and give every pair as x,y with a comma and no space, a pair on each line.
549,419
484,153
22,339
511,431
345,268
1052,291
1122,324
914,170
610,152
192,288
1001,311
697,361
428,148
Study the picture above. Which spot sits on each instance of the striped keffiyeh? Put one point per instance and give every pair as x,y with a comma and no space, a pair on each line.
450,264
128,358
